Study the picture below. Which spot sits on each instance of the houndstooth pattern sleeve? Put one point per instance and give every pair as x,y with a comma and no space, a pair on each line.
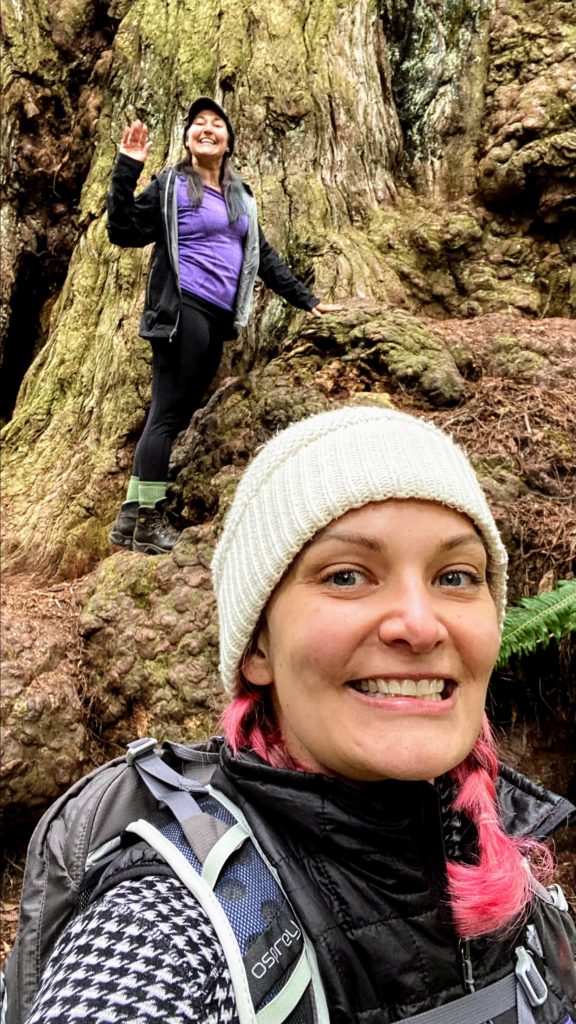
144,952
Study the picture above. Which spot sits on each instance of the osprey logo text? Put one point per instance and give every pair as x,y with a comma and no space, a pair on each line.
273,955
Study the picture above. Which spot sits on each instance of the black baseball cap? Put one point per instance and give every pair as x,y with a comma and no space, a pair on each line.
206,103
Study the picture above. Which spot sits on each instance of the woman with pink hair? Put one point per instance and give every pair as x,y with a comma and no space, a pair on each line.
361,587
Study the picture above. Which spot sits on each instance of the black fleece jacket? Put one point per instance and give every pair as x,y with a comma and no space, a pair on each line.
149,218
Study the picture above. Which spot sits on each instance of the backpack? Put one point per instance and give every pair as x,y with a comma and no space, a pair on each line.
78,849
90,838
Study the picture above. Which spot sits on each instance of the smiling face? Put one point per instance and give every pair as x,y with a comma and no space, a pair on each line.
207,138
379,643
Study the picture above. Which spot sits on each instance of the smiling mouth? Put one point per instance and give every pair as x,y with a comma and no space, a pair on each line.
433,689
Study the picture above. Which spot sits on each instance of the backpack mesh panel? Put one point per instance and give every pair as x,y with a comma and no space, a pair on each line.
246,889
249,895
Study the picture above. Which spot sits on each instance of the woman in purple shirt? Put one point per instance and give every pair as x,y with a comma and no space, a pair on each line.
208,250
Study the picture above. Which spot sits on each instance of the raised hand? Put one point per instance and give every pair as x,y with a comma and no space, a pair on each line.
135,141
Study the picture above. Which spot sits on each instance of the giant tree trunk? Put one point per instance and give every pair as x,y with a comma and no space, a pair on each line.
360,129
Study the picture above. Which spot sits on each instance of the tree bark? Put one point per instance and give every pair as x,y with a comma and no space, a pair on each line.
359,129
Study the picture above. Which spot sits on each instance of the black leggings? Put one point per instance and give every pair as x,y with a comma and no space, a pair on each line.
182,371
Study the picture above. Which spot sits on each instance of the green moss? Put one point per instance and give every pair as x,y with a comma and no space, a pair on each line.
135,577
510,358
320,20
416,357
562,442
27,30
394,343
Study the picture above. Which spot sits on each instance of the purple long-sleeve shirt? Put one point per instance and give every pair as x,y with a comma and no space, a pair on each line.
210,249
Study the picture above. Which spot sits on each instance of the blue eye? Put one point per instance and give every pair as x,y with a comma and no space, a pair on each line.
345,578
459,578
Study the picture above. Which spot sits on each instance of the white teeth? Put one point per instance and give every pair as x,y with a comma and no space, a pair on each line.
427,688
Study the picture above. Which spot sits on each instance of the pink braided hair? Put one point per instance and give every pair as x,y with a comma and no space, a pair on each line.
485,897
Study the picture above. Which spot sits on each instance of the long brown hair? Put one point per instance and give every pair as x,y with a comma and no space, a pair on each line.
232,186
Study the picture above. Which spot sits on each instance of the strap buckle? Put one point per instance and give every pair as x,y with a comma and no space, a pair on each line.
529,977
137,748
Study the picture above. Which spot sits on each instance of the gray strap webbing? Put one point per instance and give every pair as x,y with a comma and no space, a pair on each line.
181,803
523,1008
203,833
169,787
150,764
476,1008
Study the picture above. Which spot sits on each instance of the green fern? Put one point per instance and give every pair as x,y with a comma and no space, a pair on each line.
534,621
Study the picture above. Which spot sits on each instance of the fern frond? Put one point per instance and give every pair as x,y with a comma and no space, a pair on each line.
534,621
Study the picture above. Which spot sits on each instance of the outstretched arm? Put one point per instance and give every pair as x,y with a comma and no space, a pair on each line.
326,307
278,276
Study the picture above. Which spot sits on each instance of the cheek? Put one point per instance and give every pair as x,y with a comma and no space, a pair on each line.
305,642
479,642
488,646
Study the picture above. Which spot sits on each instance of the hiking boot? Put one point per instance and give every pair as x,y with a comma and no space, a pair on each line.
123,530
154,533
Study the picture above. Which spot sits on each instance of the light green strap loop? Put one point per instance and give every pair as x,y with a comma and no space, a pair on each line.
278,1009
230,842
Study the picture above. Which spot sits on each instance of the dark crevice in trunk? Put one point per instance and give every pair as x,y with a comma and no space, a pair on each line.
55,130
24,331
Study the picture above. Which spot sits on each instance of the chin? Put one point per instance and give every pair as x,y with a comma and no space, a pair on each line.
409,770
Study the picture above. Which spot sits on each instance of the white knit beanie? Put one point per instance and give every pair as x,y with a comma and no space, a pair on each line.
314,472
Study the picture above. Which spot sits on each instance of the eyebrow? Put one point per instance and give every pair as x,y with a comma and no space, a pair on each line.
362,540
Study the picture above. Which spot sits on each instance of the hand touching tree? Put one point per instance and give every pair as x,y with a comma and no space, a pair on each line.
326,307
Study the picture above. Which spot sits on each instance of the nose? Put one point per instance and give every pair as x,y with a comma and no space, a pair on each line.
410,618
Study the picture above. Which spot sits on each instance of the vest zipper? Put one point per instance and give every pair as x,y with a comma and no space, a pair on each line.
466,970
170,193
174,331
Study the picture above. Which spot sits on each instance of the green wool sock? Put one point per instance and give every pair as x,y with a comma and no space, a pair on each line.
149,492
132,492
